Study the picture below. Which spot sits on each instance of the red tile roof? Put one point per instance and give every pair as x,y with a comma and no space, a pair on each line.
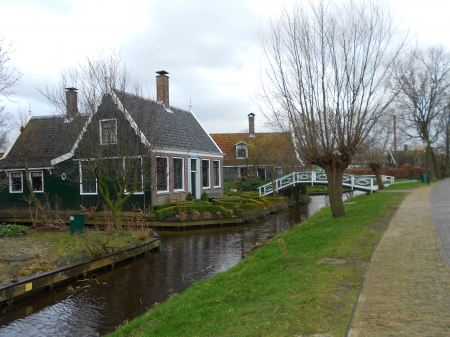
263,149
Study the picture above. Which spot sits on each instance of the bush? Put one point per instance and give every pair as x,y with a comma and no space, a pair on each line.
229,187
198,207
205,197
13,230
159,207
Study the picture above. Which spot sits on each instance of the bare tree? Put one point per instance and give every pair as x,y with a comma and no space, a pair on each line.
326,78
375,150
423,79
112,155
9,78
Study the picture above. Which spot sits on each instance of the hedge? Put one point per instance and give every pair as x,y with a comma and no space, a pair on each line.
200,207
403,172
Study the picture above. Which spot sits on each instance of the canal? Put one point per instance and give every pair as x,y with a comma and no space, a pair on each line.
96,306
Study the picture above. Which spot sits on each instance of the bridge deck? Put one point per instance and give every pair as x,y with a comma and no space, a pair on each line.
354,182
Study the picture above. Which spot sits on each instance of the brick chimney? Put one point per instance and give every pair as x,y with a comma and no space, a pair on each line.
162,88
251,125
71,102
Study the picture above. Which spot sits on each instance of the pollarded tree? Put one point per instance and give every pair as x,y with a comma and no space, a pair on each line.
423,81
325,79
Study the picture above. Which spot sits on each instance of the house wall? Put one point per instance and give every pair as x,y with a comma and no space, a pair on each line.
212,191
63,194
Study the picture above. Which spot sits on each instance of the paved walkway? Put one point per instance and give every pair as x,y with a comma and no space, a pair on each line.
406,291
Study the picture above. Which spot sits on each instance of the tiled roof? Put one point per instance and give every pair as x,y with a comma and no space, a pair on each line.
43,139
176,129
264,147
48,137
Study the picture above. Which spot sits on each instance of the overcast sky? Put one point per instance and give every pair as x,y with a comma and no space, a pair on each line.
209,48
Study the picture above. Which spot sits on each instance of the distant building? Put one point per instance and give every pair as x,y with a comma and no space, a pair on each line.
255,154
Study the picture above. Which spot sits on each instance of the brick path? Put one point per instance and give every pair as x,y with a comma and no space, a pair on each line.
406,291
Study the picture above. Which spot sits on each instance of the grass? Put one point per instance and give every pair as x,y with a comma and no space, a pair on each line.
55,249
286,292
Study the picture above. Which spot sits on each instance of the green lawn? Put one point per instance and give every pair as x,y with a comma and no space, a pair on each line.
268,295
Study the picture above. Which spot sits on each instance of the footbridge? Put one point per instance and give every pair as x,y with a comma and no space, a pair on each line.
354,182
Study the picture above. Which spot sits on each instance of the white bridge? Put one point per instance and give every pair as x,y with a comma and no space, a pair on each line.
354,182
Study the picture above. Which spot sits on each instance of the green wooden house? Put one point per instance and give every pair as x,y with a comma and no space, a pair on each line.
169,151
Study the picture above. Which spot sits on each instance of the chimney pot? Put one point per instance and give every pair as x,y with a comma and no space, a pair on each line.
162,88
405,147
71,102
251,125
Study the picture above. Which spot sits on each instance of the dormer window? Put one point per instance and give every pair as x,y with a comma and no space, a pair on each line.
241,150
108,131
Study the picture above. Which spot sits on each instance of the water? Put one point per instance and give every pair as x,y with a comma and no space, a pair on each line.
110,298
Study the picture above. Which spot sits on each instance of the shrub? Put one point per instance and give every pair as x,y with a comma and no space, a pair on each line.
229,187
14,230
190,197
205,197
161,206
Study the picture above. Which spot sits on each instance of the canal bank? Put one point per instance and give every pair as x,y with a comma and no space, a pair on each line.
311,290
132,288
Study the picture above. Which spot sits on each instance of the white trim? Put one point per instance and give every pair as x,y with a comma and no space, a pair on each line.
30,169
10,182
209,174
167,175
70,154
182,175
81,183
220,177
31,180
218,148
100,125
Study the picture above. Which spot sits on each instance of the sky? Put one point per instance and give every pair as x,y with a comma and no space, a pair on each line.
209,48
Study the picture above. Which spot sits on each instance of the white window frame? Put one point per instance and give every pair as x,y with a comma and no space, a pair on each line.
167,176
182,189
101,131
10,181
209,174
81,182
42,180
218,174
142,175
241,146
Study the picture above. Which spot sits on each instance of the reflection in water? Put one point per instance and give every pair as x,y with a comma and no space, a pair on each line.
129,290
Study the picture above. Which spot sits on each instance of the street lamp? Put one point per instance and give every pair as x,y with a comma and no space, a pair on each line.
425,146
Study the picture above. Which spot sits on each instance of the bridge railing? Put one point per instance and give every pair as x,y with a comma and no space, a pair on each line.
366,183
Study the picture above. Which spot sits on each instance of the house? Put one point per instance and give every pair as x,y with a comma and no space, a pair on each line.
125,128
257,154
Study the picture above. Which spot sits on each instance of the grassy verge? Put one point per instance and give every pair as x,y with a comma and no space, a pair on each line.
55,249
267,294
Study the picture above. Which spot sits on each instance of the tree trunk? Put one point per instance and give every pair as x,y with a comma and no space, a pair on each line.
335,178
431,163
274,192
117,219
376,168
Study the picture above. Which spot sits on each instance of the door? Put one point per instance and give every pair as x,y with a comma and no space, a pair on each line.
194,180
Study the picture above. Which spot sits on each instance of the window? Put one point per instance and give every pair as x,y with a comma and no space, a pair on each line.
205,173
161,174
261,172
241,150
133,169
178,174
88,182
37,182
216,172
15,182
108,131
